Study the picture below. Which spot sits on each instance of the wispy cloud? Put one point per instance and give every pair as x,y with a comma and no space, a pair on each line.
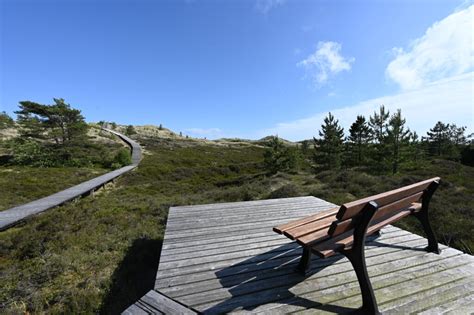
265,6
436,76
325,62
445,50
211,133
448,100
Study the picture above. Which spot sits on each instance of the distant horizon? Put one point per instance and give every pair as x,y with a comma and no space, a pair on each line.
245,69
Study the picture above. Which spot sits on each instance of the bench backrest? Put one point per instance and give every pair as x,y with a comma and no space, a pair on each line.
388,203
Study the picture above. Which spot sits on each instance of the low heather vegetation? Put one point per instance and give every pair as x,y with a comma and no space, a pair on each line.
100,254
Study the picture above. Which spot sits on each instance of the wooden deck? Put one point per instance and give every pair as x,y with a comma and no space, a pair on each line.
12,216
224,258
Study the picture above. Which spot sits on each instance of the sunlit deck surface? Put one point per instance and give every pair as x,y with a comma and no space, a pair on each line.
222,258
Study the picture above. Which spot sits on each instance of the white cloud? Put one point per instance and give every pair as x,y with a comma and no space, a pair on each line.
264,6
445,50
449,100
325,62
211,133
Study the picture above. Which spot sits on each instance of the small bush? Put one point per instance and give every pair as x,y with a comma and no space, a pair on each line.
122,158
28,152
289,190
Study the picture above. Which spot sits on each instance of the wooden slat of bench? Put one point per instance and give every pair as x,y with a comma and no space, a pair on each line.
310,227
313,238
323,214
351,209
331,246
339,227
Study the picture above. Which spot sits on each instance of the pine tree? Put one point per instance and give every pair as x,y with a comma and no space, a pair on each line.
457,135
57,122
415,149
397,140
438,137
379,123
278,157
359,137
328,149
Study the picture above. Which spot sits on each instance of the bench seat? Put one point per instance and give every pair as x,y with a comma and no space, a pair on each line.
313,231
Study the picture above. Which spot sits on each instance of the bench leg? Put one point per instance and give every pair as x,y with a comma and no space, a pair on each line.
305,261
357,258
356,255
423,217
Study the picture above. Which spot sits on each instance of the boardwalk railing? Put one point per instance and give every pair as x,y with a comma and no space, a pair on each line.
12,216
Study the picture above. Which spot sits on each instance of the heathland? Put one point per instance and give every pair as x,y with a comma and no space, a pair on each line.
100,253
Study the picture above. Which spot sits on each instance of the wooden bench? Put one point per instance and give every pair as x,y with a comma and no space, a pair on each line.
344,229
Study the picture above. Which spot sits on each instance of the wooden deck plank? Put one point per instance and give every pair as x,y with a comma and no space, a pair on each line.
226,258
439,296
187,284
156,303
248,204
199,274
288,249
290,284
259,208
463,305
245,258
343,295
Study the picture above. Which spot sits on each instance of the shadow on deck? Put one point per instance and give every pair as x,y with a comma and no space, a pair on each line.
244,278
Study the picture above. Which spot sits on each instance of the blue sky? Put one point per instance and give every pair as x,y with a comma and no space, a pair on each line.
241,68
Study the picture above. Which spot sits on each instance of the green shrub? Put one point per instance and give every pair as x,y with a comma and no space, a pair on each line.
289,190
29,152
122,158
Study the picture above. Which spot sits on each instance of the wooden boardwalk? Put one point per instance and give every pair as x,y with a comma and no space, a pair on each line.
12,216
224,258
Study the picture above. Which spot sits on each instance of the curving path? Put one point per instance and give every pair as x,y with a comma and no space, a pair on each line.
14,215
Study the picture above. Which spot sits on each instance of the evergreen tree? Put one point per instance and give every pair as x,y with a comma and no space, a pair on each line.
379,123
130,130
397,140
304,146
5,121
359,137
279,157
457,135
58,122
328,149
438,137
415,149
